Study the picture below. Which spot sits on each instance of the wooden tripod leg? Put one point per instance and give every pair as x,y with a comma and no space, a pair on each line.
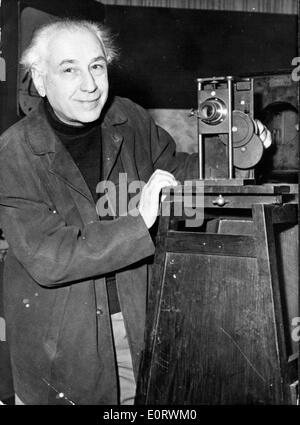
153,307
269,281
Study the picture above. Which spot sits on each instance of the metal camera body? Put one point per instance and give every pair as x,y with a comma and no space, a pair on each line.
225,108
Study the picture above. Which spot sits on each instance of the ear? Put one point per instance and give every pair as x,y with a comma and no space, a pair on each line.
38,80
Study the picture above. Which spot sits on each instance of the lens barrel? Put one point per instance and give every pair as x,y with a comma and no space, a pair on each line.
212,111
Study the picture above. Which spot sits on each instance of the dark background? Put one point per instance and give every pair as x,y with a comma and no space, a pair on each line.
163,51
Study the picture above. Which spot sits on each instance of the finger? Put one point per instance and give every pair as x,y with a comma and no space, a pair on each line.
160,174
159,184
153,196
161,180
163,172
163,185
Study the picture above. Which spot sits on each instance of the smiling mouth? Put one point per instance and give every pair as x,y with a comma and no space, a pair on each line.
89,101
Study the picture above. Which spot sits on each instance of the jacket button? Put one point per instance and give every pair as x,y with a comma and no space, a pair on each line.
99,312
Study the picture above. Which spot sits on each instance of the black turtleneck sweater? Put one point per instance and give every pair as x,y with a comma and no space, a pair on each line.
84,146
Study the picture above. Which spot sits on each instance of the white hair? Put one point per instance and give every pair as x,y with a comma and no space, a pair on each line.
35,52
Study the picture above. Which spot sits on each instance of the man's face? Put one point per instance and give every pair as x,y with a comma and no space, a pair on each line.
75,76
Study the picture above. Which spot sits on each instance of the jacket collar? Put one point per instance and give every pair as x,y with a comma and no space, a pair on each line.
42,140
41,137
113,114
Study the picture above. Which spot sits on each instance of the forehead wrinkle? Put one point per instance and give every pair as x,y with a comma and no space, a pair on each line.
58,43
75,61
98,58
67,61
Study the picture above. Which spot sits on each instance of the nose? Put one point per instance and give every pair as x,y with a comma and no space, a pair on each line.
88,83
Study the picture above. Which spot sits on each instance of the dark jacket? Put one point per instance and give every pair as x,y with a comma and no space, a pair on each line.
54,291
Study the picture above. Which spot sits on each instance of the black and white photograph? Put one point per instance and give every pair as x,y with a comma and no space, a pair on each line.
149,239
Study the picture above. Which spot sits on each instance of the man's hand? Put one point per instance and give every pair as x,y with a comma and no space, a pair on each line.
149,202
263,133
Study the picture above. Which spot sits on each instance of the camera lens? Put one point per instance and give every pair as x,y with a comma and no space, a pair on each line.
208,111
212,111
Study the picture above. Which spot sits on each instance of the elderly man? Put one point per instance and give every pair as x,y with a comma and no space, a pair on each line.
70,275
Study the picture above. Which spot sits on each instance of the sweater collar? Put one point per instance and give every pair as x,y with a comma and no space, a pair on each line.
41,137
63,129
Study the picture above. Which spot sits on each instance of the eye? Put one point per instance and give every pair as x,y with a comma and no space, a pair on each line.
69,70
98,66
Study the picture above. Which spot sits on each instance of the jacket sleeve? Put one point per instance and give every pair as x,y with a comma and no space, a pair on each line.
51,251
162,147
182,165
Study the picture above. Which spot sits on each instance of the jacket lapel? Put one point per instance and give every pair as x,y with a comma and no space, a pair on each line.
42,140
112,141
63,166
112,137
118,140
